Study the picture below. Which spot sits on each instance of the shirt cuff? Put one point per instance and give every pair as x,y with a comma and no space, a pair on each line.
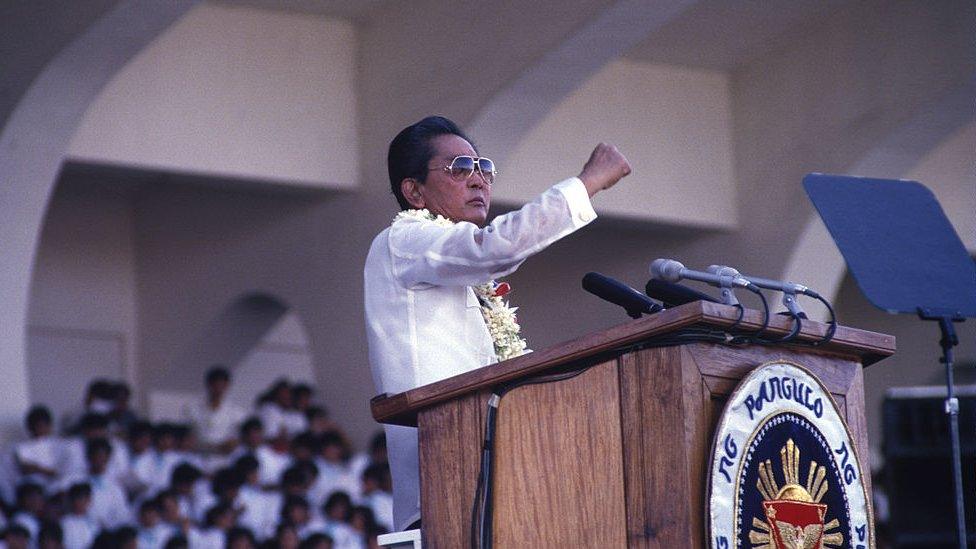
578,200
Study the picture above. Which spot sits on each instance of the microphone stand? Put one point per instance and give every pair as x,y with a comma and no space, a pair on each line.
947,342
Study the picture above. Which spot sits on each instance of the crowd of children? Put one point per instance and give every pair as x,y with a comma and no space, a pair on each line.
280,475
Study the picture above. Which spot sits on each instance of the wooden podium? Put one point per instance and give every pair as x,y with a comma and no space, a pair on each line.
617,456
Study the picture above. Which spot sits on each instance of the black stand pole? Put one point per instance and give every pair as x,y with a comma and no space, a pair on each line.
948,341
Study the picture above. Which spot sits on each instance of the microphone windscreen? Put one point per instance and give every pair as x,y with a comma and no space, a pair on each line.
618,293
666,269
673,295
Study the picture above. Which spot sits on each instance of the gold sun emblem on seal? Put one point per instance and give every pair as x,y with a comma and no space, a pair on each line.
794,512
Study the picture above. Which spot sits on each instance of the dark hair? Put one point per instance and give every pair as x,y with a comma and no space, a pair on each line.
247,464
150,505
178,541
50,531
378,473
314,540
250,424
79,490
96,445
36,415
240,532
305,440
140,428
338,498
184,473
226,480
16,529
217,372
410,152
294,477
92,421
28,489
316,411
290,502
378,442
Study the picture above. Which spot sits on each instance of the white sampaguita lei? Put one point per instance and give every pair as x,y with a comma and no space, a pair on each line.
424,319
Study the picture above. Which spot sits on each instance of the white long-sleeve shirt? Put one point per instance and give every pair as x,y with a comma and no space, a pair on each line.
423,320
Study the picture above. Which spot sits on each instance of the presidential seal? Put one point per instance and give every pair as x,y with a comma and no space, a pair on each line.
784,473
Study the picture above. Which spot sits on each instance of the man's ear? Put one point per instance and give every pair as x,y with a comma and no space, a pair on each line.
410,188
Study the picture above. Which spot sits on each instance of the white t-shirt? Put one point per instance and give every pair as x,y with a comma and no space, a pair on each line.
214,426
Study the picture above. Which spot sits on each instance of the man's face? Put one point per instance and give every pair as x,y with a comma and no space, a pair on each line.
466,200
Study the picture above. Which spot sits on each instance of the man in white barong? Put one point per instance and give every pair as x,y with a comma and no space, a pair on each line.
424,318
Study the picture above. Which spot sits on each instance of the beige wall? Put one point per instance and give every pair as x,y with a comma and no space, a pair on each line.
675,125
241,92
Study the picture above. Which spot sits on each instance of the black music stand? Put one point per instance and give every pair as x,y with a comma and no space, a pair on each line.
906,258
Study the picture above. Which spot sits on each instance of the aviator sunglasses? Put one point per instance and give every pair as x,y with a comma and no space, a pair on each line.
463,167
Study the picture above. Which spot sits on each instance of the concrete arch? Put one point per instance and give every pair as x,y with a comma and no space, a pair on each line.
32,148
815,259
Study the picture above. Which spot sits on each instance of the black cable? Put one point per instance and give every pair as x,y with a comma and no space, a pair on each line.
833,321
797,326
482,511
756,336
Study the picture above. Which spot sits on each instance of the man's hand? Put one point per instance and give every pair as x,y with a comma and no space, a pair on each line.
605,167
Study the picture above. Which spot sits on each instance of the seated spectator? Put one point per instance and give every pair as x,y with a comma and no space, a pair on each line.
301,400
219,520
51,536
17,537
272,407
337,511
169,510
99,400
178,542
318,420
140,449
362,520
121,417
271,462
38,458
183,483
153,533
30,509
186,446
259,509
78,527
215,420
377,454
317,541
285,537
95,426
240,538
109,505
124,537
295,512
304,447
334,471
153,467
376,479
372,537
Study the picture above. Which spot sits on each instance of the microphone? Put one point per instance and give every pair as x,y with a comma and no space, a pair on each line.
673,271
789,289
618,293
673,295
775,285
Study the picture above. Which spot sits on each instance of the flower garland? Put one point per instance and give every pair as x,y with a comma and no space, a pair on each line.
500,319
